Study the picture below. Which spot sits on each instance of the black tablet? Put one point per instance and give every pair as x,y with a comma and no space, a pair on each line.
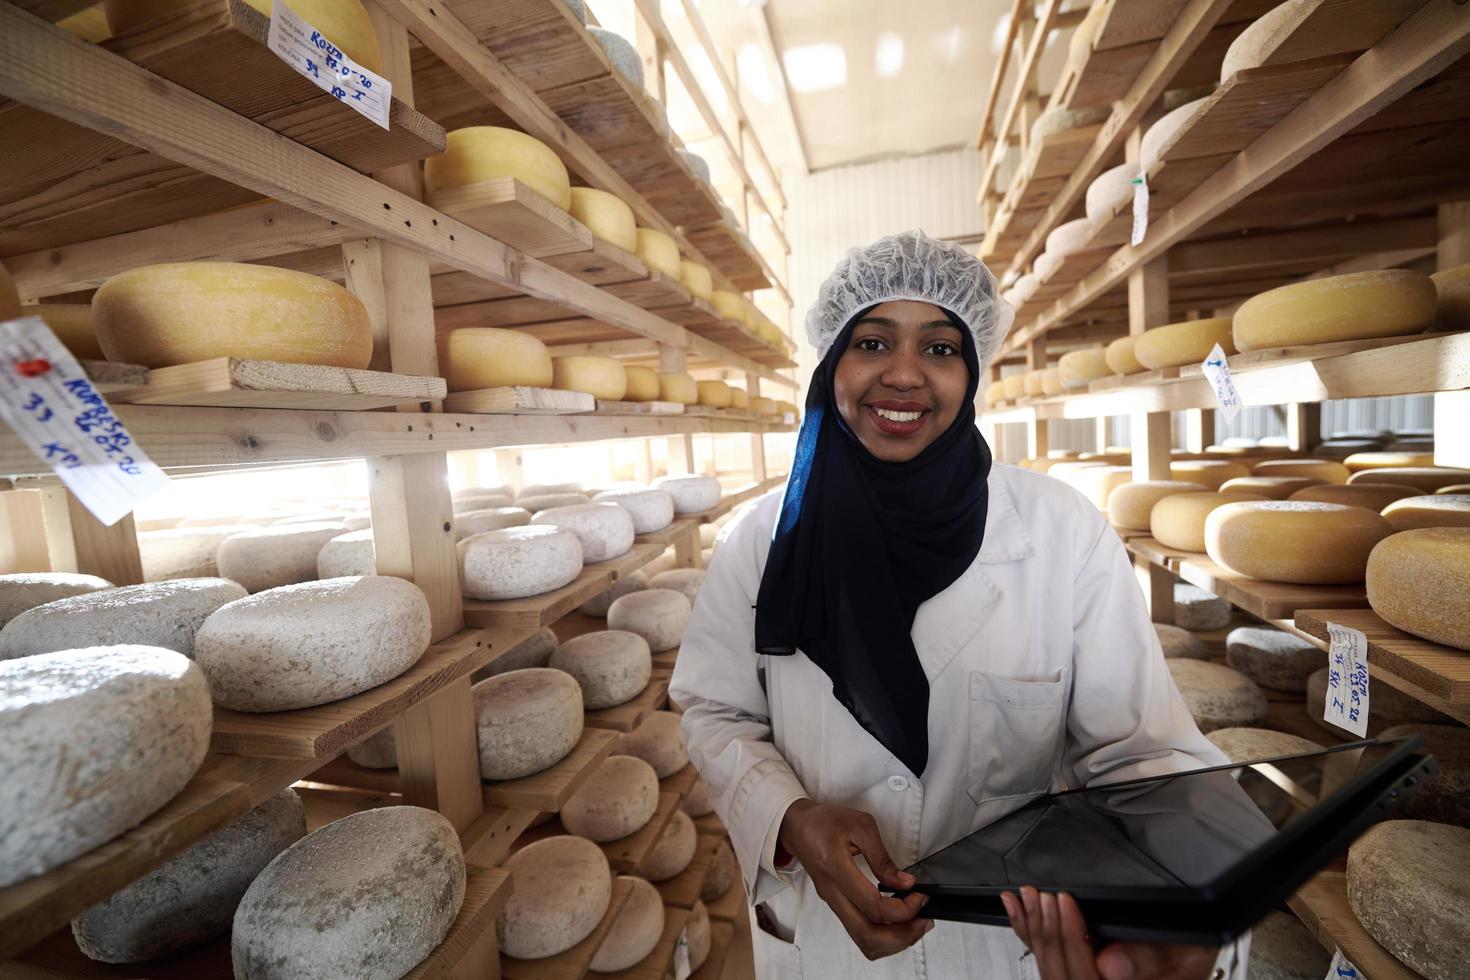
1193,857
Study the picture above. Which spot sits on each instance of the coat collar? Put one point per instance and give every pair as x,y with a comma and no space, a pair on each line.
1006,537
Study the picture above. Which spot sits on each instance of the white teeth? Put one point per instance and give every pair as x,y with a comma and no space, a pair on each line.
897,416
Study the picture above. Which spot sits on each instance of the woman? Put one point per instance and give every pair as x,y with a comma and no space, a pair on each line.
911,643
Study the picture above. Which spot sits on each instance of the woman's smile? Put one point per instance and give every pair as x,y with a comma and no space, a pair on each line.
899,419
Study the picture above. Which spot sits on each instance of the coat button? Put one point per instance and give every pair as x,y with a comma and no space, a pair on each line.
898,783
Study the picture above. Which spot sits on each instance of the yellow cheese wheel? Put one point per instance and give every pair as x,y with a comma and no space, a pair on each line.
1418,581
480,153
89,25
1178,520
1120,357
1432,510
487,357
658,252
72,324
1113,457
1374,496
9,296
1209,473
750,316
606,216
642,384
714,394
1079,367
1031,381
1359,305
1428,479
1271,487
1051,381
994,392
739,398
1015,386
1455,488
1097,482
696,278
1452,292
730,306
1294,540
343,22
1189,342
764,406
1131,505
600,377
182,312
1382,460
675,386
1326,470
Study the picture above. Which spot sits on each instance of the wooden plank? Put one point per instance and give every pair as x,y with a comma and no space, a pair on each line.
1268,600
629,715
534,612
680,782
710,824
510,211
110,377
1322,905
489,839
231,382
1329,27
549,789
657,964
732,905
639,408
573,963
519,400
720,935
682,890
1441,670
627,854
469,949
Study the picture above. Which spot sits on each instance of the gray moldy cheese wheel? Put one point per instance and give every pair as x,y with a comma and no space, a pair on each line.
1196,609
192,897
1387,707
721,873
657,615
1406,883
682,580
311,643
348,554
518,561
378,751
1418,580
1180,644
597,606
651,509
634,932
545,501
488,501
159,614
692,494
696,801
23,590
658,741
611,666
534,651
1294,541
368,896
1446,797
542,489
618,799
1284,949
275,556
605,530
562,887
491,519
696,934
184,552
1217,697
1250,744
1273,658
95,741
673,851
526,720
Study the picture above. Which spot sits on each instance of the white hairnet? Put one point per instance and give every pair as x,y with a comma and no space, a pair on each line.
912,266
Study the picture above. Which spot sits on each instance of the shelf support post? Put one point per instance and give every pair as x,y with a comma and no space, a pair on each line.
757,439
1151,432
672,360
1037,429
1199,429
1303,425
78,542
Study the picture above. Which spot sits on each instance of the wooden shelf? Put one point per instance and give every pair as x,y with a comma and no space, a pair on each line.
625,854
1441,671
720,936
629,715
231,382
1322,905
657,964
572,964
534,612
546,791
520,400
682,890
730,907
680,782
470,948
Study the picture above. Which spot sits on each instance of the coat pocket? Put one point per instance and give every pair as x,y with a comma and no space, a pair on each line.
774,957
1016,733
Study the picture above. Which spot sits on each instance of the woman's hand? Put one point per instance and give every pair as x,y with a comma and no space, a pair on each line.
1053,929
826,839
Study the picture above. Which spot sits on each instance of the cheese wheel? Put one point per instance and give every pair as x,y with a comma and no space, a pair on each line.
1051,381
696,163
611,666
1257,41
1252,744
650,508
9,296
764,407
518,562
715,394
1208,473
1294,541
739,398
72,324
561,889
995,392
1273,658
479,153
1120,357
1446,797
621,54
657,615
347,554
1433,510
1178,520
730,306
1406,884
692,494
378,751
1058,119
526,721
1025,288
183,552
1045,264
686,581
1130,505
618,799
658,251
1179,643
1357,306
546,501
1270,487
95,740
1079,367
1452,292
1427,479
1112,189
597,606
600,377
20,591
606,216
534,651
324,906
1086,33
1196,609
676,386
1418,580
1374,496
270,557
1387,460
1031,384
475,522
1216,696
1014,386
1326,470
605,530
1070,237
1097,482
1162,132
658,741
641,384
182,312
695,277
1455,488
697,935
344,22
541,489
674,850
635,930
1189,342
487,357
721,873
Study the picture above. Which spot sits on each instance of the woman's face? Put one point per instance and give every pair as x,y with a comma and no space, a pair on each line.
901,382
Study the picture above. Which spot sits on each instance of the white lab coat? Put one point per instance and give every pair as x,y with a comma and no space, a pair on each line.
1044,672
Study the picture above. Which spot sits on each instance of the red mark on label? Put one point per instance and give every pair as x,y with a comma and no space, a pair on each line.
33,368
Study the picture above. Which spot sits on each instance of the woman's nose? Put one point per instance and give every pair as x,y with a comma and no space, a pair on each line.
903,370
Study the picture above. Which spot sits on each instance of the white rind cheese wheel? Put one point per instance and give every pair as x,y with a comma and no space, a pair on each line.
1058,120
1406,883
605,530
1251,744
479,502
1111,190
487,357
1161,132
650,508
183,552
600,377
611,666
491,519
1189,342
1428,479
1418,580
1178,521
536,503
1025,288
597,606
348,554
72,324
159,614
721,873
658,251
476,154
20,591
1070,237
542,489
534,651
1374,496
518,562
307,644
1208,473
1326,470
1273,658
692,494
618,799
1216,696
562,887
271,557
683,580
676,386
634,932
1196,609
378,751
1282,948
658,741
1270,487
323,907
183,312
526,721
1452,286
1357,306
1382,460
657,615
1045,264
696,163
713,394
1294,541
95,741
1432,510
621,54
1257,41
1120,357
346,23
1131,505
674,850
606,216
1079,367
697,935
695,277
642,384
1180,644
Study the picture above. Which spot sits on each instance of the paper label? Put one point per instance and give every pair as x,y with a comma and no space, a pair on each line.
1341,968
789,418
1347,680
681,958
320,61
46,397
1140,210
1217,370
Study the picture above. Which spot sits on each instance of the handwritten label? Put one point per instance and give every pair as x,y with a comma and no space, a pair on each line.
1217,371
681,958
1347,680
321,62
1341,968
1140,210
789,418
46,397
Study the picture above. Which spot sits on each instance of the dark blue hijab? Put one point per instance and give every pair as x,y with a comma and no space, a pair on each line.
860,543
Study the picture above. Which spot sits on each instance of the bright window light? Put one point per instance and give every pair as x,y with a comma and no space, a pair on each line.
949,43
815,67
754,77
998,36
888,58
709,82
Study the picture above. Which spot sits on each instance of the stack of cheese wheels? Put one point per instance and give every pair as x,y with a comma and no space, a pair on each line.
1271,487
739,398
692,494
1014,386
478,154
611,666
1178,520
271,557
486,357
1208,473
1160,133
1377,460
1418,581
618,799
72,324
1131,505
1374,496
1217,697
1120,358
713,394
1357,306
659,252
695,277
658,741
518,562
1051,381
1189,342
1294,541
604,530
526,721
635,930
1406,885
657,615
640,384
1431,510
1326,470
677,387
562,889
346,22
1428,479
730,306
606,216
1078,368
182,312
600,377
1111,190
765,407
1452,287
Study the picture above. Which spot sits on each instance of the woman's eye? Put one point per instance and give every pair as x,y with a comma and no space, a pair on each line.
869,344
943,349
